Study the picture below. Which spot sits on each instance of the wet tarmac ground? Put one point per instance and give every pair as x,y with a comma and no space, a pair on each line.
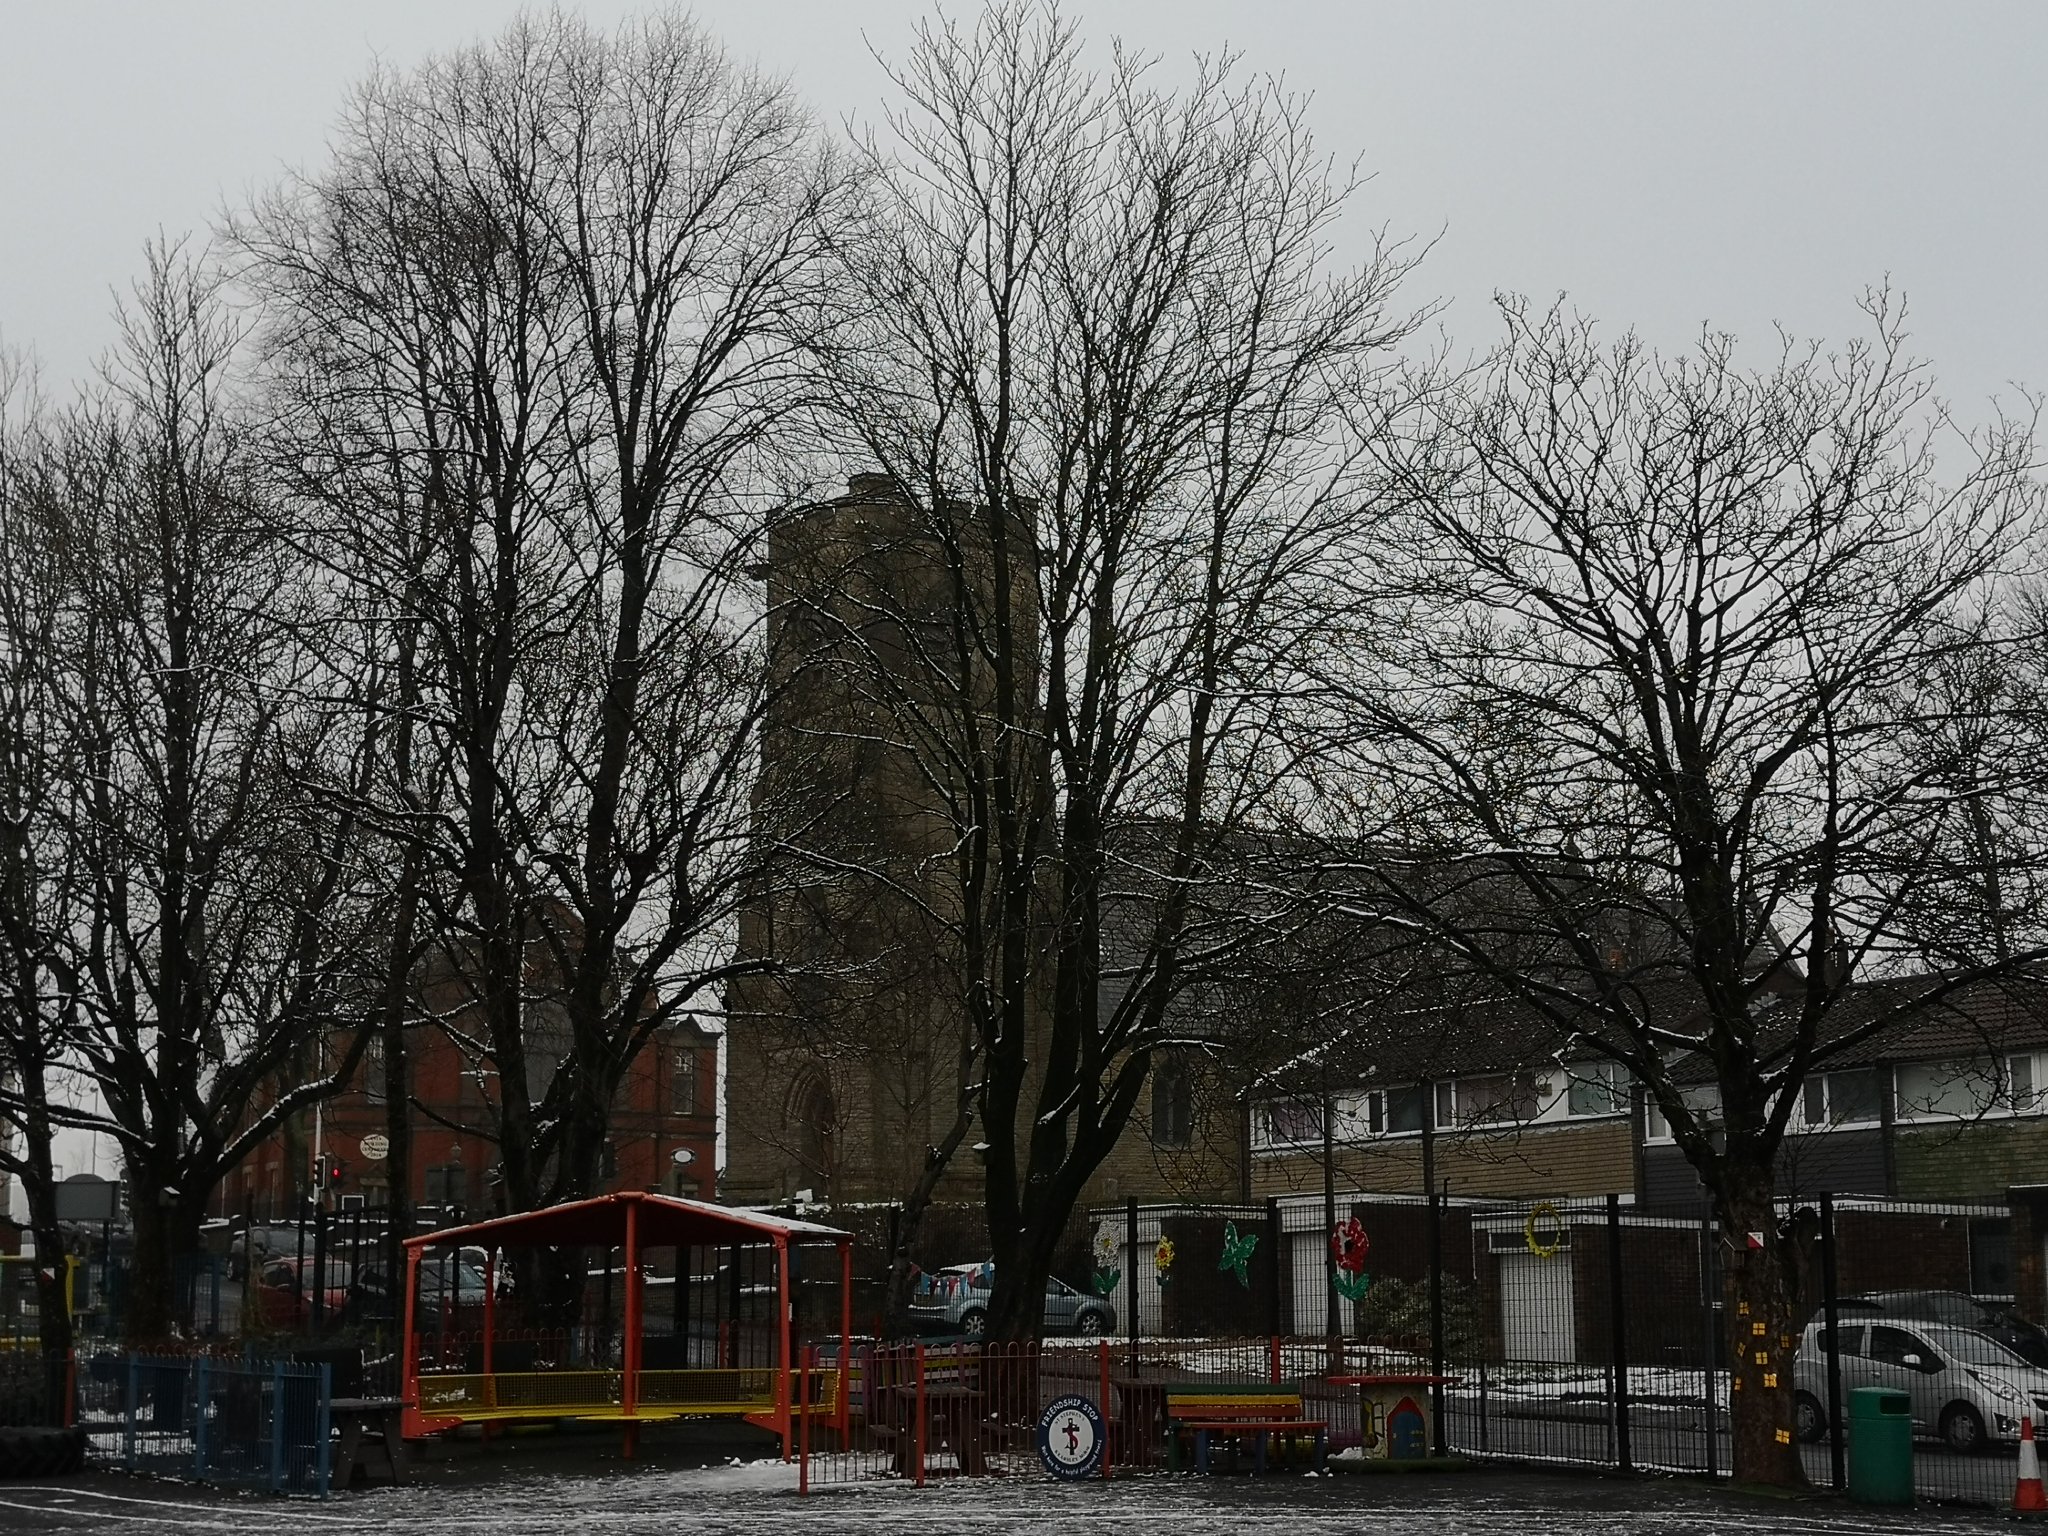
762,1497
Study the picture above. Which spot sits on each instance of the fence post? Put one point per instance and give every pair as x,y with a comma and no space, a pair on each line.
1619,1322
199,1419
1439,1433
919,1417
1828,1280
323,1427
134,1398
1102,1361
277,1418
1276,1320
1712,1340
1131,1276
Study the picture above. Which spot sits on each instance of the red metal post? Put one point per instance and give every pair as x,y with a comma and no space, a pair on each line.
920,1416
1102,1359
782,1356
803,1418
409,1376
490,1330
1273,1358
844,1414
629,1383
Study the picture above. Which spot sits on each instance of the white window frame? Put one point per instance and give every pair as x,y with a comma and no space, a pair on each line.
1653,1118
1611,1075
2007,1102
1823,1079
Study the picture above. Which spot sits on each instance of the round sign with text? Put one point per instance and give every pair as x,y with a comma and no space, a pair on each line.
1070,1437
376,1146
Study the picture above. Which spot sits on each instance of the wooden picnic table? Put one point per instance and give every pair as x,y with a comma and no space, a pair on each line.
374,1422
1139,1418
952,1421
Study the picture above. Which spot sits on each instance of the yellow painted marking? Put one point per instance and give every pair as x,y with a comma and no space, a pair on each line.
1757,1329
1763,1357
1784,1437
1771,1379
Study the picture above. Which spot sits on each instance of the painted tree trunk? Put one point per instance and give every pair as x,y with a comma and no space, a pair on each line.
1759,1269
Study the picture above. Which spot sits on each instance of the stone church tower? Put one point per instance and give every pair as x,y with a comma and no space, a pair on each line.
847,1066
844,1069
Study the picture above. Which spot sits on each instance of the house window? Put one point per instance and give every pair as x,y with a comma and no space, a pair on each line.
1293,1122
1962,1090
1703,1100
1596,1088
1173,1106
1850,1097
373,1069
682,1081
1406,1108
1486,1100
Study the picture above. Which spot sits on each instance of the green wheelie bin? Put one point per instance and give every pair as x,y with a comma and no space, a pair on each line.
1880,1446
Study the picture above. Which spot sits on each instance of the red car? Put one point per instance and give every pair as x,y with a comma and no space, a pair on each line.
283,1287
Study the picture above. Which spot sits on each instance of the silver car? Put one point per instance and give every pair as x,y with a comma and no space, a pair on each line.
1964,1386
955,1300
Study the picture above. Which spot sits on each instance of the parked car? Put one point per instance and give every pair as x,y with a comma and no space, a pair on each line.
955,1300
283,1292
1957,1308
372,1297
1964,1386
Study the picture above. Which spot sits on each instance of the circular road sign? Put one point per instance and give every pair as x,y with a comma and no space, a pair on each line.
1070,1437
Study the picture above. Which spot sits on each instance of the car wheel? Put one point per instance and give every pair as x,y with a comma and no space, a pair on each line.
973,1320
1807,1419
1089,1323
1963,1428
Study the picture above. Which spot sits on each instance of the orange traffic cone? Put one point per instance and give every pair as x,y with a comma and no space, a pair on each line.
2028,1496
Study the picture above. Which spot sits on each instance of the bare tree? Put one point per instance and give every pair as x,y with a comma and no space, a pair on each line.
1647,688
40,888
537,328
221,908
1103,352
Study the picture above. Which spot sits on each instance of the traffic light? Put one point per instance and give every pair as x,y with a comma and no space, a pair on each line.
336,1168
320,1171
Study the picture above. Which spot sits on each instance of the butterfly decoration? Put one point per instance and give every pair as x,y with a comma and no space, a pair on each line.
1237,1253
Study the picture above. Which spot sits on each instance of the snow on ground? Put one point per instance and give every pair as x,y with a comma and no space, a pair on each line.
761,1496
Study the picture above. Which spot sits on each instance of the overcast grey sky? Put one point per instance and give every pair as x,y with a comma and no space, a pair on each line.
1666,165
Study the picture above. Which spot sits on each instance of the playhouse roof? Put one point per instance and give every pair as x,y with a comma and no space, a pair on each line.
664,1220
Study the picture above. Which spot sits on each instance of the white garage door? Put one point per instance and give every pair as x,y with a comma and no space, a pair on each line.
1536,1307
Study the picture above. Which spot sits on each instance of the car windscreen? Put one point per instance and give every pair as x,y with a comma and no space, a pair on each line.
1974,1348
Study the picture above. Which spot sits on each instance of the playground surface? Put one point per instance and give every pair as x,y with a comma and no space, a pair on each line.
760,1496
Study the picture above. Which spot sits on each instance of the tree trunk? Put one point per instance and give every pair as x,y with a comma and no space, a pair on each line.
166,1230
1763,1317
52,1299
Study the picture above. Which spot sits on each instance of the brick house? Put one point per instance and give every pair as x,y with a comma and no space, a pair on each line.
663,1130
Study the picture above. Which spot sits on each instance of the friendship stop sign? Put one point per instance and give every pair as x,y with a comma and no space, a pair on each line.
1070,1437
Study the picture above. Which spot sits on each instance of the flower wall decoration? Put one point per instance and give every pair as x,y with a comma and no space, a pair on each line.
1107,1274
1349,1247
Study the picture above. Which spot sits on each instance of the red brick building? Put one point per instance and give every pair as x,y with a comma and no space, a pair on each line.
663,1137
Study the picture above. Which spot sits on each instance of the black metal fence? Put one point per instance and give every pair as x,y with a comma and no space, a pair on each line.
1590,1332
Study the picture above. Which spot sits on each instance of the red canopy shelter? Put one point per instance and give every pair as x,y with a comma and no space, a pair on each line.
632,1222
